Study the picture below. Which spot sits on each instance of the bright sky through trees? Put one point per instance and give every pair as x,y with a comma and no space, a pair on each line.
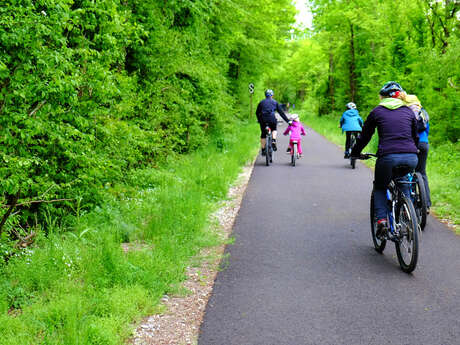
304,17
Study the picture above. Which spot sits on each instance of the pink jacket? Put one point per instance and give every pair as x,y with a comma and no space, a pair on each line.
296,130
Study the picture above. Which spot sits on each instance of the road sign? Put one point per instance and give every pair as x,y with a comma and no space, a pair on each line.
251,87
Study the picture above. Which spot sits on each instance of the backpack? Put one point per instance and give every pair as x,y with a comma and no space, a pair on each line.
422,120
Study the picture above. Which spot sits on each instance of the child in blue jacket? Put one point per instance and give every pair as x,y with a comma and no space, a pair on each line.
350,123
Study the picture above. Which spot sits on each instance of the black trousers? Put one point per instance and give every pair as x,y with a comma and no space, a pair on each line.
421,167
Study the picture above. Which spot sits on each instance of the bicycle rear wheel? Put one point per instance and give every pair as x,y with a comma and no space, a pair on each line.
352,144
352,162
268,146
379,244
420,199
407,247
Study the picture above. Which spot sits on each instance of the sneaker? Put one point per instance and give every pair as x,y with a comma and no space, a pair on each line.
299,155
274,145
263,152
346,155
288,150
382,227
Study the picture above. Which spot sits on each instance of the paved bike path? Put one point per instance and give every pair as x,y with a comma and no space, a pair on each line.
302,269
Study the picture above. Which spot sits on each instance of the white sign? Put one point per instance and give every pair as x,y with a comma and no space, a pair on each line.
251,88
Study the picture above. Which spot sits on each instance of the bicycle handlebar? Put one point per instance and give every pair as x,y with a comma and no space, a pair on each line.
365,156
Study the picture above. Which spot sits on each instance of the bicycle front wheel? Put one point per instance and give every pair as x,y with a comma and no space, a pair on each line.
420,200
407,247
379,244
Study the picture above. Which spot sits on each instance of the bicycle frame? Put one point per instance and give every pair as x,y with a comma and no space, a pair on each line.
391,200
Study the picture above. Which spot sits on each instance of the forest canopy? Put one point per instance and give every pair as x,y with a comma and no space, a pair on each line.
355,46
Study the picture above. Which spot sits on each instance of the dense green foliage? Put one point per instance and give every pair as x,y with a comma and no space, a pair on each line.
82,288
356,46
90,90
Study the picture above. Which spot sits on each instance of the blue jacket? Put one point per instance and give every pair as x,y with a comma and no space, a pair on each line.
351,121
424,135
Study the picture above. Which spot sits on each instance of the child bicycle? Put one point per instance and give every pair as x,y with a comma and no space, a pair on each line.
402,219
294,152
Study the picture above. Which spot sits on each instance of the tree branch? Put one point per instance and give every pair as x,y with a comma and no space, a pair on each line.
37,202
37,108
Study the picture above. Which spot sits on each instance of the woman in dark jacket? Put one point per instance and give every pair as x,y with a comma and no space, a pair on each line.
398,138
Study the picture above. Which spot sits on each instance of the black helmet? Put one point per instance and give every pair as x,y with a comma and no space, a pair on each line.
269,93
390,89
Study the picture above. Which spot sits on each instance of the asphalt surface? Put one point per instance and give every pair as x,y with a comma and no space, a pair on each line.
302,269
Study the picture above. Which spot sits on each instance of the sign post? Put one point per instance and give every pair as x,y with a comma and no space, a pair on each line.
251,92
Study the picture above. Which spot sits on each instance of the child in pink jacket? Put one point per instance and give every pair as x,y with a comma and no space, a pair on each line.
296,130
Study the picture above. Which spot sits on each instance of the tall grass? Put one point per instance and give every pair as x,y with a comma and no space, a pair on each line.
80,287
443,166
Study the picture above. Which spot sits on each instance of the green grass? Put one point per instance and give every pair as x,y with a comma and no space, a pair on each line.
443,166
81,288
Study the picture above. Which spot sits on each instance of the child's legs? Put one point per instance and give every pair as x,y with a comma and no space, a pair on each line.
299,147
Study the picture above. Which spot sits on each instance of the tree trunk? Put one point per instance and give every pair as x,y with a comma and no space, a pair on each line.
331,79
352,65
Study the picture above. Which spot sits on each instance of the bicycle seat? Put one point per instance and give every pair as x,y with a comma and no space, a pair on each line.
401,170
294,141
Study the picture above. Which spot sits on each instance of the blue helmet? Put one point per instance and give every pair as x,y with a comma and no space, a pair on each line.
391,89
269,93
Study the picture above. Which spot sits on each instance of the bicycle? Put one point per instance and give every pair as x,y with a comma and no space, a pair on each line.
268,146
402,220
294,152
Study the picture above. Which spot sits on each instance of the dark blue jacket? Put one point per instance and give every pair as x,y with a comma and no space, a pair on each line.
397,130
266,110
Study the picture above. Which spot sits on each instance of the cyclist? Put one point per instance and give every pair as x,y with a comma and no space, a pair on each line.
398,138
296,129
351,123
423,122
266,117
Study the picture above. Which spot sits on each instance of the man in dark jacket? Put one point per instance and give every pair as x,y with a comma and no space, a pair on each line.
266,117
398,138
